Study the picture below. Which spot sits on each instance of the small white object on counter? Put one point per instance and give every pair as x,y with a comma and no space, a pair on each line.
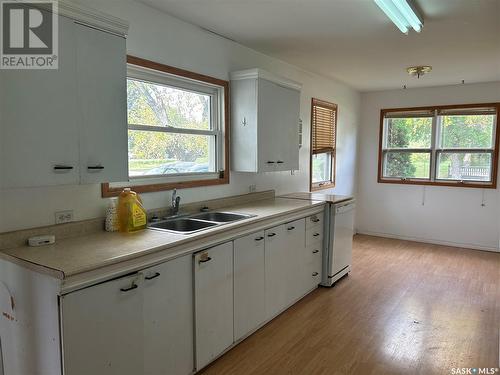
111,224
48,239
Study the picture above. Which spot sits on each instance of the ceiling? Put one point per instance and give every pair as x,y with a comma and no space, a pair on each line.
354,42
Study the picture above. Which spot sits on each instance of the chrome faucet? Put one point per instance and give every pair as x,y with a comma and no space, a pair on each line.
175,202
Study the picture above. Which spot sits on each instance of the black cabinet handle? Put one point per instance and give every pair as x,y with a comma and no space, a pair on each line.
208,259
315,251
132,287
152,276
315,274
290,228
270,162
62,167
95,167
315,220
271,235
280,162
259,238
315,234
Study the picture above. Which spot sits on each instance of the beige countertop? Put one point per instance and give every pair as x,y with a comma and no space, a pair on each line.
73,256
318,196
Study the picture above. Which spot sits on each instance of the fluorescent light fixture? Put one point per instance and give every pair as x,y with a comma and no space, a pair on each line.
402,13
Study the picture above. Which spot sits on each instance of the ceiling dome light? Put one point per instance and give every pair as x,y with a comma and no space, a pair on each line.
419,71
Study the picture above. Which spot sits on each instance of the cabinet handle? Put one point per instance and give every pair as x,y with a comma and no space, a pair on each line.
95,167
62,167
152,276
271,235
208,259
132,287
315,251
280,162
290,228
315,220
259,238
315,234
270,162
315,274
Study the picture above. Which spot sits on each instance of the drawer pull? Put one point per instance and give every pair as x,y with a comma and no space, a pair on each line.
315,251
315,220
291,228
207,259
259,238
62,167
152,276
271,235
95,167
315,274
132,287
270,162
315,234
280,162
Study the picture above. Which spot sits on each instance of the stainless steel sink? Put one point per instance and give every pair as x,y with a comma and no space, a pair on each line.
197,222
221,217
184,225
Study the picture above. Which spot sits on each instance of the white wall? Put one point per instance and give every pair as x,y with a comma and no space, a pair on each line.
157,36
431,214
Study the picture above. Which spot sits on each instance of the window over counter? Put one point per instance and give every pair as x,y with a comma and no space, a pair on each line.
445,145
177,129
323,144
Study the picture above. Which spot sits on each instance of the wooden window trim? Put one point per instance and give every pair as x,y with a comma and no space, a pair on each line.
464,184
223,179
331,184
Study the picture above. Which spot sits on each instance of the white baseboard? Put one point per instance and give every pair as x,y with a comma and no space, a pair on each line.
430,241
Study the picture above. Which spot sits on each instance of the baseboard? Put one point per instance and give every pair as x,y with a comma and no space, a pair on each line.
430,241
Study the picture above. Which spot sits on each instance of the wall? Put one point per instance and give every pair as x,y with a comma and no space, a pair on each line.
445,215
157,36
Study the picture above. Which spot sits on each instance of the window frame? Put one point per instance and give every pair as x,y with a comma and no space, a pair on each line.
435,150
145,68
330,184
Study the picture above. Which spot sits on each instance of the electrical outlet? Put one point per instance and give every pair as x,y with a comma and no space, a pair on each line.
64,216
252,188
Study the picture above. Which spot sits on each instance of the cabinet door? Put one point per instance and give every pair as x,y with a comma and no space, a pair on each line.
102,95
249,284
103,330
213,286
38,128
276,271
295,233
168,318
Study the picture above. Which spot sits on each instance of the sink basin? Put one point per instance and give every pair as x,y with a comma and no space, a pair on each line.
221,217
182,225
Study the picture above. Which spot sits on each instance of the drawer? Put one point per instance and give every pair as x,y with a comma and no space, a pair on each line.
315,220
314,235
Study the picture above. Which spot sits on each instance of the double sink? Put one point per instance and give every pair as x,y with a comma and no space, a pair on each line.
197,222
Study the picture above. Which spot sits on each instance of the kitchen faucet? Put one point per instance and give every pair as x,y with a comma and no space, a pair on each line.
175,202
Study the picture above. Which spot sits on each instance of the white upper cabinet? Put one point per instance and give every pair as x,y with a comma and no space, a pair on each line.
68,125
101,70
265,122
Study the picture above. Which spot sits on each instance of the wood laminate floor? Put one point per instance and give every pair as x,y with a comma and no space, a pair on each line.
406,308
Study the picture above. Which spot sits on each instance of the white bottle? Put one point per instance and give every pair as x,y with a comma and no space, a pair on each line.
111,224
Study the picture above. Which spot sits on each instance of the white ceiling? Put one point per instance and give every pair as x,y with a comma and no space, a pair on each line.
354,42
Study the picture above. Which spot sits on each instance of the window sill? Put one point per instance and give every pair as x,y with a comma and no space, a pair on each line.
322,186
108,191
458,184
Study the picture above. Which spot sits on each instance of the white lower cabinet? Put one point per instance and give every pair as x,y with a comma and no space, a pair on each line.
249,284
213,289
295,243
137,324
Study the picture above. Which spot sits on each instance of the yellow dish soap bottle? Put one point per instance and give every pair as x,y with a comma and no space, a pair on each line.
131,212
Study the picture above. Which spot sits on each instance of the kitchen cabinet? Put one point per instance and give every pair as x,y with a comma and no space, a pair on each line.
249,284
137,324
276,267
295,245
265,122
68,125
213,290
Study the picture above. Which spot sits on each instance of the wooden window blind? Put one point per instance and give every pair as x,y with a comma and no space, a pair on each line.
324,123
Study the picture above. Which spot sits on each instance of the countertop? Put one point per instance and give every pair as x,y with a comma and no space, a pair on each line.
316,196
73,256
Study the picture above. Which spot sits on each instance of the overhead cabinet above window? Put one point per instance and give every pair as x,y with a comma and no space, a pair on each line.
67,126
264,122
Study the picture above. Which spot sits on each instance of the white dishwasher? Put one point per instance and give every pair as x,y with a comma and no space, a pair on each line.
338,242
